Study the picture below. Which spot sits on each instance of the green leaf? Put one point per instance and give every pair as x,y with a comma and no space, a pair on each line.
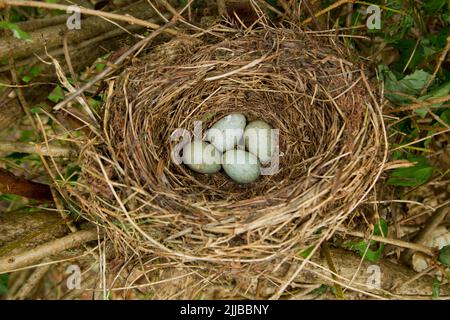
32,73
433,6
381,228
411,54
367,253
436,288
56,95
26,79
367,249
4,280
446,17
397,31
9,197
320,290
72,172
94,104
410,85
439,92
444,255
412,176
439,40
305,253
100,66
27,135
445,116
36,110
15,29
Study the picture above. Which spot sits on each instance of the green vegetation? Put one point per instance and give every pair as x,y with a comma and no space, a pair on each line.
371,250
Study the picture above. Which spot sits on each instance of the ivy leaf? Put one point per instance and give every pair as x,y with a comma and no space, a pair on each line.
412,176
439,92
409,85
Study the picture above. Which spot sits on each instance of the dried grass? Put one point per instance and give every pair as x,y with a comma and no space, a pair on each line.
332,143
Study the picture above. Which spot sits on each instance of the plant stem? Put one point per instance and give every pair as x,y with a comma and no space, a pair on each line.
42,150
91,12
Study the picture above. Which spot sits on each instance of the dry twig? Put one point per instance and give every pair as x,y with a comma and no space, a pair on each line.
28,258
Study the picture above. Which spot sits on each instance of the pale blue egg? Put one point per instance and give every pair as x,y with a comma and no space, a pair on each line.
261,140
241,166
226,133
202,157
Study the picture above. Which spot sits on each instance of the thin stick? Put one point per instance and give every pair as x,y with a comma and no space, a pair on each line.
112,67
395,242
419,140
247,66
81,45
328,9
270,7
311,13
19,91
329,259
46,250
421,104
32,282
438,66
34,148
91,12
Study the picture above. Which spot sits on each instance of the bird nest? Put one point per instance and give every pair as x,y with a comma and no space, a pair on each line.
305,84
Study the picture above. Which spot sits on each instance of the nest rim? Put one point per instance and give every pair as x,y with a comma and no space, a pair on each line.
124,185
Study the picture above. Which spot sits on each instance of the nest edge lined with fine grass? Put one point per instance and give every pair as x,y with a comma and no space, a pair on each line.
306,84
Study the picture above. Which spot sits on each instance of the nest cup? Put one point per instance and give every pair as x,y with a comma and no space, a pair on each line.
307,85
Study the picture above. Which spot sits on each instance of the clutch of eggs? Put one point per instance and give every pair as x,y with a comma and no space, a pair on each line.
224,145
